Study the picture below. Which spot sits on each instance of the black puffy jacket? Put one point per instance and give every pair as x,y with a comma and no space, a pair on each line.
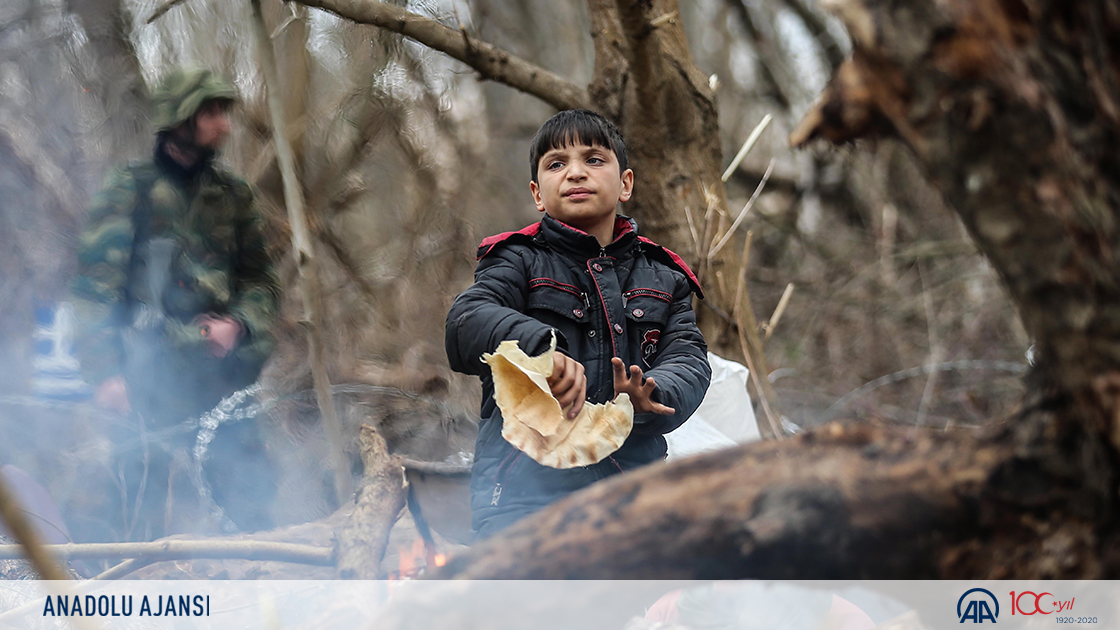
630,299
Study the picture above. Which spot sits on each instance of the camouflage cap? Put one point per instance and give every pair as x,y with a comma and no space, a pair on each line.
182,92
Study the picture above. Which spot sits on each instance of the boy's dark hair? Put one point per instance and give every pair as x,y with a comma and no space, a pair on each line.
576,126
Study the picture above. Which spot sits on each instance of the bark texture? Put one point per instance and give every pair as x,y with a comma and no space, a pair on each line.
646,81
1013,107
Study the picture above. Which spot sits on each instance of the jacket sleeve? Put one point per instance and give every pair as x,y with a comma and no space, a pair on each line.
492,310
681,369
256,296
100,286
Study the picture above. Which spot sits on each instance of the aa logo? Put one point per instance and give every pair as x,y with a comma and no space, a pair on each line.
976,608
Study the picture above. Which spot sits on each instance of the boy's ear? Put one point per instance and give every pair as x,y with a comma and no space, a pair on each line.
535,188
627,185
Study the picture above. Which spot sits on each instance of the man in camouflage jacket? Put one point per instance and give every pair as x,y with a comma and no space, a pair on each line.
175,294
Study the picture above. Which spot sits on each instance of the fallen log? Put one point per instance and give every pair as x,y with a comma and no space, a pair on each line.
855,501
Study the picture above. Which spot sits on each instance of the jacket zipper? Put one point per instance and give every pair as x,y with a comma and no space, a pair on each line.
616,464
654,293
501,476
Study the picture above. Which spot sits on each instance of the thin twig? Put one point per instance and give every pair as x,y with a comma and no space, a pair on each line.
708,231
44,562
746,208
895,377
118,571
746,148
662,20
260,550
436,468
488,60
692,230
305,259
741,285
29,547
934,349
815,22
751,347
776,316
162,9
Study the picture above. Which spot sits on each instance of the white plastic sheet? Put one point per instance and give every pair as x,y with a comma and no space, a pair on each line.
724,419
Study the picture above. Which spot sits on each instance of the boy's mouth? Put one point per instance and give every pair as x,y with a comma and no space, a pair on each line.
577,193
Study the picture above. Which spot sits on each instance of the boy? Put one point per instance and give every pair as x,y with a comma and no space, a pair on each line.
619,305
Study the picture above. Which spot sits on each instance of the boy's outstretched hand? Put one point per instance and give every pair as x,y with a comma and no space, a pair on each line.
568,383
638,388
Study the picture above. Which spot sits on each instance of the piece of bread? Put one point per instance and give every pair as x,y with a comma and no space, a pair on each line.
535,423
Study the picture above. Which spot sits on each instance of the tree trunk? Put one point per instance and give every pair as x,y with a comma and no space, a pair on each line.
115,76
1013,109
646,81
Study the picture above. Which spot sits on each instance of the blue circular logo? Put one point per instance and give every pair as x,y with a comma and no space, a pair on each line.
976,610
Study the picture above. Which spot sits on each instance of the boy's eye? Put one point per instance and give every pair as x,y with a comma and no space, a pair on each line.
595,160
554,165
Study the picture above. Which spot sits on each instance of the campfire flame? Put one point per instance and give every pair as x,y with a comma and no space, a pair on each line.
415,559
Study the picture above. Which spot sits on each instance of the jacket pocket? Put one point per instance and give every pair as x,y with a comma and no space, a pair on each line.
647,312
562,306
559,297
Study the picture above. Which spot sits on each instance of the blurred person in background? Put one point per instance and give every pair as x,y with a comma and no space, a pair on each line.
175,300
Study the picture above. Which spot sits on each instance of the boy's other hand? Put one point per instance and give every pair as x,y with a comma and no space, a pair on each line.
568,383
639,388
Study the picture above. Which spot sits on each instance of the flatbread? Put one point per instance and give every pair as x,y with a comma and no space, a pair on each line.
535,423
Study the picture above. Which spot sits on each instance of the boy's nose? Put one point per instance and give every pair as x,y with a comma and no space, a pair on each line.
575,171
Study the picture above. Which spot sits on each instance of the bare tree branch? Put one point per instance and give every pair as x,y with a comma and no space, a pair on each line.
488,60
53,180
817,23
306,262
163,9
772,63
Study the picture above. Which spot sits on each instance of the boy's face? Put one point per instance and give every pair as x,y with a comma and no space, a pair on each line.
581,185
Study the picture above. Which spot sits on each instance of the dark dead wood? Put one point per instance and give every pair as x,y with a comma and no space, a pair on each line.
379,501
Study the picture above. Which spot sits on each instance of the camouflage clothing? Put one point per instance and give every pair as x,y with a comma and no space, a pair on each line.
163,245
